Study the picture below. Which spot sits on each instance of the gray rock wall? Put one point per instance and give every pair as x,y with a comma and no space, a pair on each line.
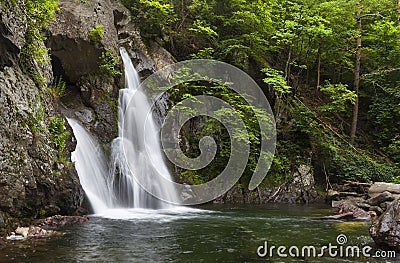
32,180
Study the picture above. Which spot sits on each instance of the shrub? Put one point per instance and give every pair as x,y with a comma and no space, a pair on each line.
59,86
58,134
109,63
96,33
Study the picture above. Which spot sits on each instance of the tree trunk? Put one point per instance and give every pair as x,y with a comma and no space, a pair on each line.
287,67
398,12
319,67
357,74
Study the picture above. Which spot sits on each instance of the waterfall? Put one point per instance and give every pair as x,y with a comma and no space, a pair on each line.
135,152
90,163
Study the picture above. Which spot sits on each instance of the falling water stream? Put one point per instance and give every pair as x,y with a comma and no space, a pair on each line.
135,152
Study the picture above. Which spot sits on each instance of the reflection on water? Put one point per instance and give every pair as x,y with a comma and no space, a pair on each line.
209,234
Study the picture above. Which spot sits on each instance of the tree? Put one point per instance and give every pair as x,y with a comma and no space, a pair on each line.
354,121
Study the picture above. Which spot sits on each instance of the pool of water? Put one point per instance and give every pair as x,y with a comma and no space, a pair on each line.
216,233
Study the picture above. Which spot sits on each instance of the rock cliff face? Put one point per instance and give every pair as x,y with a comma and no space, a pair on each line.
35,177
78,38
32,178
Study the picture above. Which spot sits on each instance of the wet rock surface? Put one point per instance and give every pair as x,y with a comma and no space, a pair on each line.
380,198
378,202
59,221
374,198
348,209
386,229
47,227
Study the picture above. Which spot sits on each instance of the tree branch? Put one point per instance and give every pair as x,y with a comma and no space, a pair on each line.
378,72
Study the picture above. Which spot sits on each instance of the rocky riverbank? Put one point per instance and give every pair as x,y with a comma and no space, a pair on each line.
47,227
378,202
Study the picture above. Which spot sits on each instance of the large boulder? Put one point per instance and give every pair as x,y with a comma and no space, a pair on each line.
72,47
348,209
78,38
76,54
303,184
300,190
386,230
380,198
380,187
148,57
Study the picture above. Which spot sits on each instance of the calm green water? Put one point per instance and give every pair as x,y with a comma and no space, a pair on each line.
209,234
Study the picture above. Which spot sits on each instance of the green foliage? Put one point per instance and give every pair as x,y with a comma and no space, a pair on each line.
40,213
213,128
152,16
352,166
38,13
109,64
58,134
276,81
37,78
301,53
384,114
7,3
281,167
383,44
36,117
8,226
344,163
192,177
96,33
206,53
199,27
339,97
58,87
336,156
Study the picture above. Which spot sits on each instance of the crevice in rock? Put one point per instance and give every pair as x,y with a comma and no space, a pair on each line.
58,70
9,52
76,57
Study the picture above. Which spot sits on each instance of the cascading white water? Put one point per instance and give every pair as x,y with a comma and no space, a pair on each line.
91,166
137,146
